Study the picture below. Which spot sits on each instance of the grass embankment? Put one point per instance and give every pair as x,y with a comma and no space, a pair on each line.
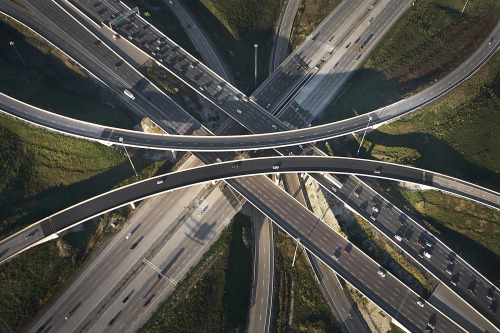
235,26
309,15
470,229
431,39
42,173
156,12
298,294
52,84
456,135
215,295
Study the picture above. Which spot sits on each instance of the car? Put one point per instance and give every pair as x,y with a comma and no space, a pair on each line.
68,315
373,218
146,304
347,46
427,254
315,36
381,272
371,20
244,99
158,48
358,190
158,182
336,254
202,88
235,165
375,209
236,97
268,105
97,42
276,167
430,325
219,86
331,38
130,37
125,299
274,127
376,171
335,66
450,268
455,279
238,110
133,246
357,40
357,58
170,2
191,65
491,293
399,238
345,251
420,302
129,235
116,36
491,40
158,40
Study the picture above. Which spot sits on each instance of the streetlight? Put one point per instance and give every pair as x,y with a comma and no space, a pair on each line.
366,129
121,140
298,241
14,46
255,46
464,6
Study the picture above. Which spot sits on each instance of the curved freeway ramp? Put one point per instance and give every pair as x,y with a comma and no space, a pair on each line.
98,205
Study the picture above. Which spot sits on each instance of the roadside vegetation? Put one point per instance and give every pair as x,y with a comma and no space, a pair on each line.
300,306
470,229
456,135
215,294
431,39
51,82
42,173
309,15
235,26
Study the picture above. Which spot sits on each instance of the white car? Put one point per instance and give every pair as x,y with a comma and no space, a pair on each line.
375,209
381,273
129,235
238,110
116,36
398,237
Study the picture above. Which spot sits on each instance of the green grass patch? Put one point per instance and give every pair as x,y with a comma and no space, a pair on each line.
309,15
431,39
157,13
235,26
215,295
456,135
310,311
33,278
470,229
51,83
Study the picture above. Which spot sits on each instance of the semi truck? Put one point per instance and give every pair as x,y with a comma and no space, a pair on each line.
129,94
150,287
333,181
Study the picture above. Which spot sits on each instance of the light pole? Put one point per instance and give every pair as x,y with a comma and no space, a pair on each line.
19,54
255,46
464,6
121,140
366,129
298,241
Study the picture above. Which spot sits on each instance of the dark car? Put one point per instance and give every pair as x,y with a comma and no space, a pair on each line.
134,245
146,304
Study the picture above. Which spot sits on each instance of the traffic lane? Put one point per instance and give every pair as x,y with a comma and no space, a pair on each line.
439,264
310,228
71,37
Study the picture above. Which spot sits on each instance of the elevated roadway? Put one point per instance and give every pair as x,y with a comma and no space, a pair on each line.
235,169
